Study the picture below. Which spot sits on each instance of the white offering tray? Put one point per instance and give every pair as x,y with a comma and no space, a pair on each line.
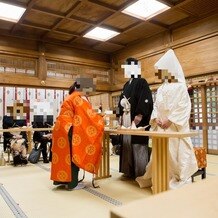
133,127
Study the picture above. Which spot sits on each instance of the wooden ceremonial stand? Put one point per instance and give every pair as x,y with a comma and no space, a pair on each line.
160,155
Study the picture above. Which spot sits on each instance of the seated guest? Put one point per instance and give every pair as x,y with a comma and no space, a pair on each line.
24,136
18,149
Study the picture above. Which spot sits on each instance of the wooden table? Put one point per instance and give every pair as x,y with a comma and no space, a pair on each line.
160,155
195,200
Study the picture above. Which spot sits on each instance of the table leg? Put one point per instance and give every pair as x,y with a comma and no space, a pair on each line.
104,169
160,164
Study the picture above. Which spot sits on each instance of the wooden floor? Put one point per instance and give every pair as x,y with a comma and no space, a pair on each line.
27,191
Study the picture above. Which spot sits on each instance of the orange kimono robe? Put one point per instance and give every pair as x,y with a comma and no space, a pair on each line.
86,145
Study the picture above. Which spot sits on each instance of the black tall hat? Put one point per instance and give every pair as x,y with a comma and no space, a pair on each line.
130,60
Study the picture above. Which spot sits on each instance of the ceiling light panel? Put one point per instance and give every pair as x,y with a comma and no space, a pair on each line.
144,9
11,12
101,34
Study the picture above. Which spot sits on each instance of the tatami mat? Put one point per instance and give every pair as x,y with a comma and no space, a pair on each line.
32,190
5,211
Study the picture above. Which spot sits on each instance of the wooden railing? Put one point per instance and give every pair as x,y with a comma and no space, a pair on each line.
28,130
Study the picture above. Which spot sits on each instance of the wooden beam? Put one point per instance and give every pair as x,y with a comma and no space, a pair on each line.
117,11
42,64
68,14
29,6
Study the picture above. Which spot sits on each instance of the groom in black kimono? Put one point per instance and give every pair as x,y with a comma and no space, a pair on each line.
134,154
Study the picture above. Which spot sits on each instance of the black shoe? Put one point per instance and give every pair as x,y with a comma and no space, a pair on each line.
59,183
24,161
45,161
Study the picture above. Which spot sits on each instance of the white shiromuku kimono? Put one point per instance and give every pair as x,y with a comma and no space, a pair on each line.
173,103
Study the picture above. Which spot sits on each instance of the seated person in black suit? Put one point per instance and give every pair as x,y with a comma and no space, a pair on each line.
42,138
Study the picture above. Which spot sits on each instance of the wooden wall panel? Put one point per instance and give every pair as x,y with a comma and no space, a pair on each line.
20,47
200,57
148,68
195,45
77,56
144,47
100,99
195,30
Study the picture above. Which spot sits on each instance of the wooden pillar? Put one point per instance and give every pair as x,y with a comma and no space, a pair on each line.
42,65
204,116
29,139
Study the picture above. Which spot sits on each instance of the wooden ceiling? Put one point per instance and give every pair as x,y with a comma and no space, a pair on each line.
65,22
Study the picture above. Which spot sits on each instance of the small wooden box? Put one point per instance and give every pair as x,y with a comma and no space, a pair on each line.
201,156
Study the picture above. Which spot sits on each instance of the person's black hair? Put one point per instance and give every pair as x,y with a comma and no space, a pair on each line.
73,87
130,60
8,122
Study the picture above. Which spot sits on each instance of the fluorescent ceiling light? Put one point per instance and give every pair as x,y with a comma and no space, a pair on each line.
101,34
10,12
144,9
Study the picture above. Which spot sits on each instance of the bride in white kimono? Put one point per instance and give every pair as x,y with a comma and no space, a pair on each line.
171,114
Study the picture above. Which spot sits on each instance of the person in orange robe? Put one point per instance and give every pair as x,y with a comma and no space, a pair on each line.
76,140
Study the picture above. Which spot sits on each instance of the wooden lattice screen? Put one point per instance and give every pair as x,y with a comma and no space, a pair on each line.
196,117
204,115
212,118
72,71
